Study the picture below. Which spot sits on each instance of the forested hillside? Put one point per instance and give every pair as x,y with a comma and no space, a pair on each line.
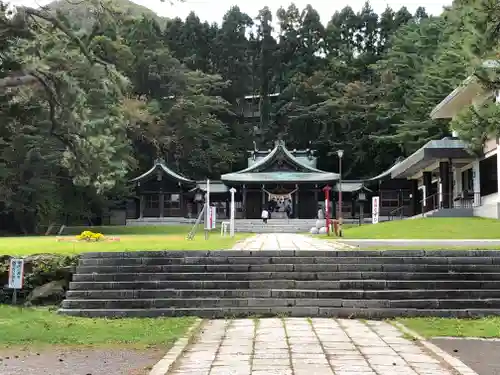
83,110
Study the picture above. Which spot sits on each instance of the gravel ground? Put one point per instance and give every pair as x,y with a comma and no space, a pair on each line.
83,361
481,356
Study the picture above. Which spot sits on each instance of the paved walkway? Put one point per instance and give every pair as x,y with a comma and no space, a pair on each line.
480,355
285,241
422,242
301,346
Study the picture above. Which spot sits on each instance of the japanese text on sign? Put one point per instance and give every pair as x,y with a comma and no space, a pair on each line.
16,273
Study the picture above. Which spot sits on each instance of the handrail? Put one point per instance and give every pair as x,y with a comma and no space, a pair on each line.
392,213
442,200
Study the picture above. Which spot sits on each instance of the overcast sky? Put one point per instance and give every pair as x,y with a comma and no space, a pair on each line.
213,10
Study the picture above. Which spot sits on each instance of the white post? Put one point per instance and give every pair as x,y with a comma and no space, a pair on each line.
231,213
498,172
440,193
476,178
208,212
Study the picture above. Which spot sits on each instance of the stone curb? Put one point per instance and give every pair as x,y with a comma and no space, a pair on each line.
466,338
343,245
167,362
460,367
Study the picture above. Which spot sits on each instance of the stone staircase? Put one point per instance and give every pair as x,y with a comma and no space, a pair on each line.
274,226
363,284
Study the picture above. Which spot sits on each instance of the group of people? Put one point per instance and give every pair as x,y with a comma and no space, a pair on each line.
274,206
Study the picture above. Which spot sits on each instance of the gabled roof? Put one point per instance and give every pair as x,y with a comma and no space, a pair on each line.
446,148
463,95
161,166
257,172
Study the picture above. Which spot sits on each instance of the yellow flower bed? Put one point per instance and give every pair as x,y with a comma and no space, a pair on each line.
87,235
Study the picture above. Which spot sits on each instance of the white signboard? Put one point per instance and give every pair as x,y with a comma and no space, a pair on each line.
375,209
213,217
16,273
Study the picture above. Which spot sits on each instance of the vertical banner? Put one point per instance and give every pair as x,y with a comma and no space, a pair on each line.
375,209
16,273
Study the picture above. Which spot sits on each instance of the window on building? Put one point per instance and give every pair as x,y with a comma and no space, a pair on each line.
172,201
152,201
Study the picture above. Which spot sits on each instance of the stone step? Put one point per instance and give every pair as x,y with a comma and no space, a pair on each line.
159,303
297,311
293,253
183,268
284,293
371,284
158,261
286,284
293,275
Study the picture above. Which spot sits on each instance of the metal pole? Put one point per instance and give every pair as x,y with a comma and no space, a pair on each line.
340,196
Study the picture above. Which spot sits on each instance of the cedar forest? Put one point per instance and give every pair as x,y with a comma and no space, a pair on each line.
85,106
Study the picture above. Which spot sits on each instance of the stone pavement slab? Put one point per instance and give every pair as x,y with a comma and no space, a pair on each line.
284,241
302,346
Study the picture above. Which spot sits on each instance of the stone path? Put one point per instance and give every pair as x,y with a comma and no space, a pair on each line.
301,346
285,241
476,244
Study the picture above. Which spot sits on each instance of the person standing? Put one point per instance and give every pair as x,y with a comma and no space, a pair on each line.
265,215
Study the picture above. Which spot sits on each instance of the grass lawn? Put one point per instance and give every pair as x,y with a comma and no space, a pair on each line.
444,327
138,238
428,228
124,229
40,327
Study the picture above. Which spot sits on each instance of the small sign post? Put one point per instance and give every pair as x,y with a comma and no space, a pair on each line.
16,277
231,213
375,209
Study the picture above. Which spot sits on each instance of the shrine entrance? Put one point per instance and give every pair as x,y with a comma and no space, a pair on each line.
281,202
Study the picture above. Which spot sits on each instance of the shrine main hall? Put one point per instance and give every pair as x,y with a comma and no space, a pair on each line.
278,179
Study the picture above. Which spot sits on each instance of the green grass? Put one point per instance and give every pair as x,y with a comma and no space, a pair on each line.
428,228
123,229
176,240
40,327
442,327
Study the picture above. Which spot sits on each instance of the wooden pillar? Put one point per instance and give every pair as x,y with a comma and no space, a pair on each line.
414,198
444,176
316,201
263,197
181,201
427,178
141,206
244,203
161,204
296,209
